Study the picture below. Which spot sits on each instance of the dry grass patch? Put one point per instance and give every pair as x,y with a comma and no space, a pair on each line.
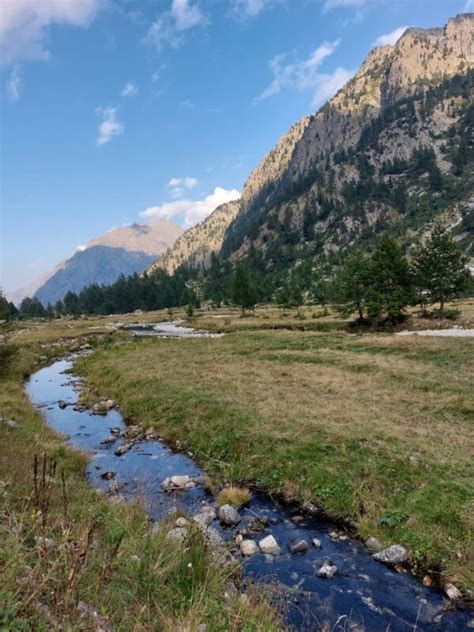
234,495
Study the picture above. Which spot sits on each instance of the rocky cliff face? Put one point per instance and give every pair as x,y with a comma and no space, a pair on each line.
127,250
195,246
393,141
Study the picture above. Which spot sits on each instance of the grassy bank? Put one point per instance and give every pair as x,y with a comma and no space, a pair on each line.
372,427
69,558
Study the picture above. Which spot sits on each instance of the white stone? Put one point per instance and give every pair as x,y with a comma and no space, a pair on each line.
452,592
327,570
269,545
248,547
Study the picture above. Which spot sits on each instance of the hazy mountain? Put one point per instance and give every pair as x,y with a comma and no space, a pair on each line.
195,246
125,250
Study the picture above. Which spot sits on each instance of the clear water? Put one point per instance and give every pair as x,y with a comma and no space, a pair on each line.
364,595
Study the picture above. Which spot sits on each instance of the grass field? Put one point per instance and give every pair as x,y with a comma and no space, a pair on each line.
377,428
70,559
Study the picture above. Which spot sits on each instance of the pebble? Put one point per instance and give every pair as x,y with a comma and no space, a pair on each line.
11,423
452,592
316,543
181,522
327,570
299,547
374,544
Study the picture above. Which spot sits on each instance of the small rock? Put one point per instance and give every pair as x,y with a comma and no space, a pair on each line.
333,535
299,547
452,592
46,543
177,482
109,440
374,544
427,580
343,537
11,424
394,554
107,476
213,537
316,543
135,558
179,534
248,548
205,516
297,518
181,522
327,570
239,538
62,404
122,449
269,545
229,516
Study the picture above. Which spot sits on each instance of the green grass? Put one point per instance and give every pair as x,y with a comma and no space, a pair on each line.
374,427
104,554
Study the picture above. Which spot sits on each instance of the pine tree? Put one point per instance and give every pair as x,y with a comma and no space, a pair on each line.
390,288
243,290
439,267
352,285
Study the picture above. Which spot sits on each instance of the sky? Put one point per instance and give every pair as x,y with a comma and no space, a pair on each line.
122,111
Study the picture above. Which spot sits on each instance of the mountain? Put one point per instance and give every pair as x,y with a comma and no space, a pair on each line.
392,150
389,153
127,250
195,246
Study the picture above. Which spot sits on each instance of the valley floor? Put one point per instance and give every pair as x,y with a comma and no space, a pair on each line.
372,427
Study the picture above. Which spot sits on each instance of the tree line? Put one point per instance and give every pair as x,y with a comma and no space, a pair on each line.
373,287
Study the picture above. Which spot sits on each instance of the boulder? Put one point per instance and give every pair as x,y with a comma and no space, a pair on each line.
395,554
10,423
177,482
299,547
248,548
269,545
229,516
327,570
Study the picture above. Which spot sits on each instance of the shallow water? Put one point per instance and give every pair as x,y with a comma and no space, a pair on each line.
169,329
364,595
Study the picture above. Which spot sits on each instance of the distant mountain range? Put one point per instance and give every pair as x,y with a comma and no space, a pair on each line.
126,251
390,152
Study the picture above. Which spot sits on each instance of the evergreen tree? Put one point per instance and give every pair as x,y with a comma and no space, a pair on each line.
390,288
5,310
282,297
352,285
32,308
439,267
243,290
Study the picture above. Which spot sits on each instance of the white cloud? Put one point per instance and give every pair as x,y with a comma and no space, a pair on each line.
24,24
337,4
129,90
305,75
251,8
13,85
389,39
186,15
169,26
192,211
178,186
329,84
109,126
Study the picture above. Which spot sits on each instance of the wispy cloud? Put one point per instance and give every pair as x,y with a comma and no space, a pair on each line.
306,75
328,5
179,186
129,90
251,8
13,85
109,127
192,211
24,24
389,39
168,27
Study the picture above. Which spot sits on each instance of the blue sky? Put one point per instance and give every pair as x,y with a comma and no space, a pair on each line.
115,111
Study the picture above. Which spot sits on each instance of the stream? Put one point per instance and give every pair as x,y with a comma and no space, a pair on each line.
364,595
